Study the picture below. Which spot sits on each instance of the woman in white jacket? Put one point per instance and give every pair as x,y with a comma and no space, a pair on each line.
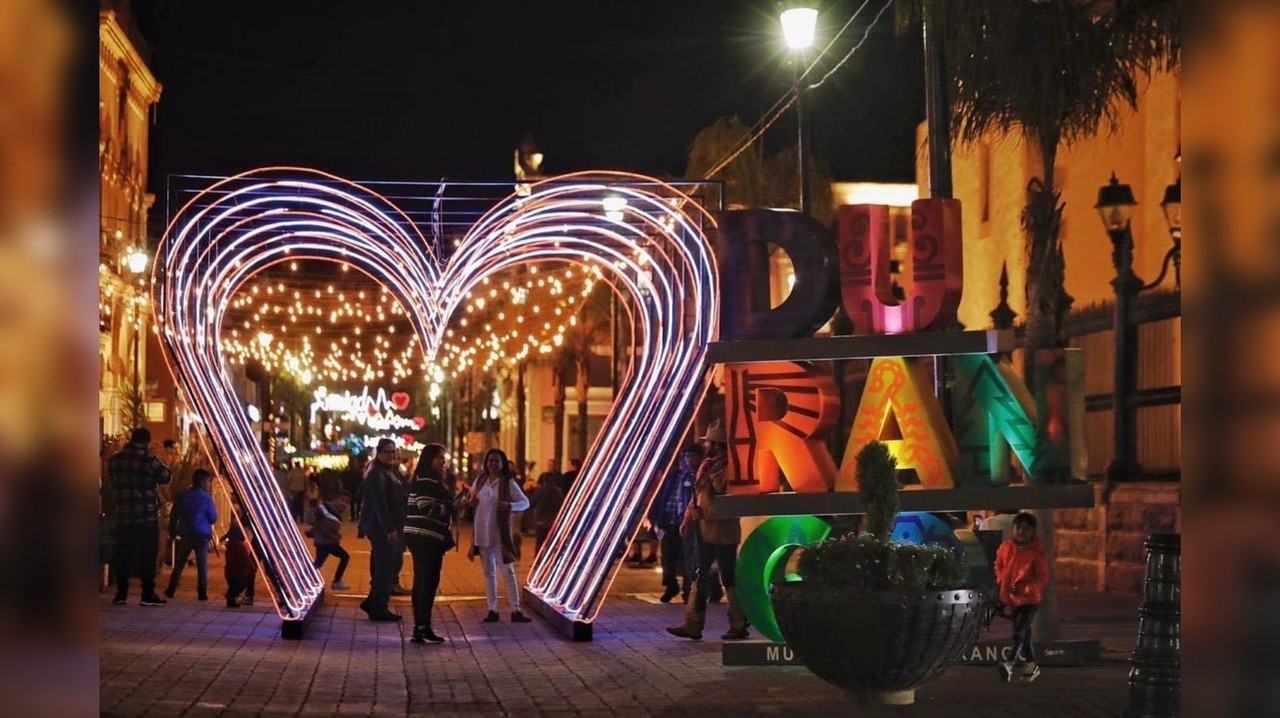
495,496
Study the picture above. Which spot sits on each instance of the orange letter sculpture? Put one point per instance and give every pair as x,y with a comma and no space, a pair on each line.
898,396
779,414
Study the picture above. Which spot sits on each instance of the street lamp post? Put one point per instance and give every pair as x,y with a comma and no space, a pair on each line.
1172,206
798,25
136,260
1115,207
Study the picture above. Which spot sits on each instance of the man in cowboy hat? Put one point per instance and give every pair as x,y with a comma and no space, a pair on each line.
718,541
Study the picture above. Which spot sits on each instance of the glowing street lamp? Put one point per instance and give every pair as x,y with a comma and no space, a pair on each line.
136,260
798,24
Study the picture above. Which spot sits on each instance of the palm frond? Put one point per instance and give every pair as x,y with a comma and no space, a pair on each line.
1057,71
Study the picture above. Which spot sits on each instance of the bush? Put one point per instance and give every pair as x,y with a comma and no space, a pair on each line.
877,472
871,563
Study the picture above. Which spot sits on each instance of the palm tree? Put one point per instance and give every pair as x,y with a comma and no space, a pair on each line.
754,180
1056,71
590,328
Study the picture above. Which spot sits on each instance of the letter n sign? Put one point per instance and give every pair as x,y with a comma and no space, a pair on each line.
992,407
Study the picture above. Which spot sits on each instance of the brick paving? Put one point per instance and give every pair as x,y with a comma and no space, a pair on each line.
195,658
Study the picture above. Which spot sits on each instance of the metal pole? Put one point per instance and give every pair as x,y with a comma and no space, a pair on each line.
802,148
936,106
1127,285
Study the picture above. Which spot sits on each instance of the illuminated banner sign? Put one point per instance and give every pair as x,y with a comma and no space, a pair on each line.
378,412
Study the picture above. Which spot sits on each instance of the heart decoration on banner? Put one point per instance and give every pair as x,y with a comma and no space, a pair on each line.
652,252
400,400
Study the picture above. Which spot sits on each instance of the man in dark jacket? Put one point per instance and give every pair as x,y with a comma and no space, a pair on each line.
382,520
192,520
132,477
666,515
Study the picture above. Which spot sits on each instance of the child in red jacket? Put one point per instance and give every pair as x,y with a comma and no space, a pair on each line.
1022,570
241,569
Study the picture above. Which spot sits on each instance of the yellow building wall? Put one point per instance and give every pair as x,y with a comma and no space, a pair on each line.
126,92
990,179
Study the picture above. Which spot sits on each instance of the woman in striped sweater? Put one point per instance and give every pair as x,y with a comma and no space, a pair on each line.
428,533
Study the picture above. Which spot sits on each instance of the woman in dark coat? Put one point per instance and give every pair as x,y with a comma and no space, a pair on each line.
428,533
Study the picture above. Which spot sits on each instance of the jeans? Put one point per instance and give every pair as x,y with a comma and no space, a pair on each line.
491,562
428,556
673,570
186,546
324,551
236,584
382,555
137,547
1023,651
723,555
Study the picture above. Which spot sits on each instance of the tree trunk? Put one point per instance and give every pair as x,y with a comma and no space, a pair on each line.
1047,298
1047,307
581,438
521,418
559,416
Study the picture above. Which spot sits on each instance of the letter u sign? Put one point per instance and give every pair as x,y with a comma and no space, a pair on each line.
937,267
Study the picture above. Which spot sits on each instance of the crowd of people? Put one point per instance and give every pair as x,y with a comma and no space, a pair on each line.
397,509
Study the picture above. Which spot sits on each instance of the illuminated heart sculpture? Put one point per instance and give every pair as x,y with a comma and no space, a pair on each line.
653,253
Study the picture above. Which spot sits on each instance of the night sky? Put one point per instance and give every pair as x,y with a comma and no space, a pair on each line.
425,90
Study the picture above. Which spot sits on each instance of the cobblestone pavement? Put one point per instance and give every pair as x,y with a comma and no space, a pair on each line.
200,659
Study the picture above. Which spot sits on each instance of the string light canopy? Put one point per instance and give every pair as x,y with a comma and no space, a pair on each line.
318,325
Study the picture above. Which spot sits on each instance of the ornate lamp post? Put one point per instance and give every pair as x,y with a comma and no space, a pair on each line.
1115,207
1172,206
136,260
798,25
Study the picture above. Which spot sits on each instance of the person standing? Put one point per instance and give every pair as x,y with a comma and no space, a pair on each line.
382,520
352,478
192,520
666,515
296,484
552,474
133,474
570,476
1022,571
495,496
241,569
717,541
428,531
546,501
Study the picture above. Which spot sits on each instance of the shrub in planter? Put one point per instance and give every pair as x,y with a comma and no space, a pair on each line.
872,615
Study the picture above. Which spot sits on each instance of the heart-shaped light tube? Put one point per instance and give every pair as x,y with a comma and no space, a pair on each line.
651,249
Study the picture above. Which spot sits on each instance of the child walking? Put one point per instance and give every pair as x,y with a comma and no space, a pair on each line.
192,520
241,569
1022,570
326,532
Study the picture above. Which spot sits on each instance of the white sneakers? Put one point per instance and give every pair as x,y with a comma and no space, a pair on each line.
1030,672
340,586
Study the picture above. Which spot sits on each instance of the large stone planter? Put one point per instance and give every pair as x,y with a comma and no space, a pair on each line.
878,645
